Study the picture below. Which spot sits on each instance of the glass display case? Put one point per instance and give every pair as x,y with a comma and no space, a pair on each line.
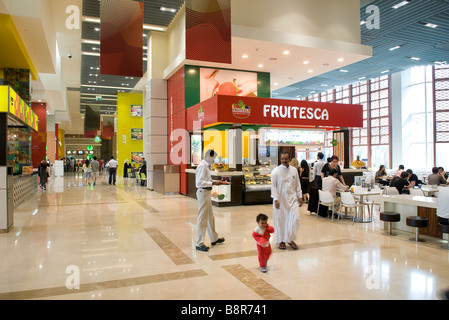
222,193
257,185
257,178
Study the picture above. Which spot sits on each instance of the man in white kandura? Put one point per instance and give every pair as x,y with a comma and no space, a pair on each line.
205,218
287,198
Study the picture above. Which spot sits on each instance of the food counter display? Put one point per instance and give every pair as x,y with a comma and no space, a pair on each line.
257,185
227,194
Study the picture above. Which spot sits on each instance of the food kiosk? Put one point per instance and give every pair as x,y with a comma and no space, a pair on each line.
275,125
17,181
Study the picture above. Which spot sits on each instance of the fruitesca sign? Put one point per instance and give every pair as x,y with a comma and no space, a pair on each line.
265,111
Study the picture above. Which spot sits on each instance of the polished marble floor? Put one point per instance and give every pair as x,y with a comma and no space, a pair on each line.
75,241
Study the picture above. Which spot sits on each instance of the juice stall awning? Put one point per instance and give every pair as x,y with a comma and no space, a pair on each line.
275,112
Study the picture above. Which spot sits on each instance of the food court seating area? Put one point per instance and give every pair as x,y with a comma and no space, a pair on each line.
363,206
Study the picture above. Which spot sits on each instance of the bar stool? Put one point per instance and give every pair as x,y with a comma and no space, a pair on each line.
444,228
417,222
390,217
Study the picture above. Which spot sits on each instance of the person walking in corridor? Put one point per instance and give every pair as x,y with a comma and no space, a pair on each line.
112,166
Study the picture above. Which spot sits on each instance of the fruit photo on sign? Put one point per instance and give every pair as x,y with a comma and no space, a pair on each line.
227,82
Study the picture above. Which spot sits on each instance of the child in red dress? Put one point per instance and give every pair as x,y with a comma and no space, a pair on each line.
262,236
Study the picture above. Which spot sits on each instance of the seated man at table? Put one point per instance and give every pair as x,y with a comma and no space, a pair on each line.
436,178
402,183
331,184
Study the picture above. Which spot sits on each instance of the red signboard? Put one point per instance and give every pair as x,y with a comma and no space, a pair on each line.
267,111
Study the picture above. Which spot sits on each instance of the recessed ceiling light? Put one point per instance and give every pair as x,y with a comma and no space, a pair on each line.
385,71
324,85
400,4
97,29
362,22
415,58
343,70
90,41
245,56
306,62
286,52
361,78
87,53
260,65
275,83
340,59
394,48
431,25
168,9
310,71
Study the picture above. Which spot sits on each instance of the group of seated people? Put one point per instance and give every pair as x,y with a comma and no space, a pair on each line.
406,179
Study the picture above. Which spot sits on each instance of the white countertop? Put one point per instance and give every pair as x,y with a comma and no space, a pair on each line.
418,201
353,170
223,174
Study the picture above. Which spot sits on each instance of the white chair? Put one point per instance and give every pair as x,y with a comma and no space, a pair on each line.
391,191
348,201
325,198
416,192
371,202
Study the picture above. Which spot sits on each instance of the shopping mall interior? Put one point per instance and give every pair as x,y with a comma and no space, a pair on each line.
155,84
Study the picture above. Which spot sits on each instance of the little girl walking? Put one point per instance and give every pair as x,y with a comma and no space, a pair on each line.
262,236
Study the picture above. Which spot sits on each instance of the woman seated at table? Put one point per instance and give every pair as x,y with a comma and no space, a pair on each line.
381,176
402,183
332,165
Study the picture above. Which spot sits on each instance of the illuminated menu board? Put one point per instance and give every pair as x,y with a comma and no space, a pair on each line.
291,137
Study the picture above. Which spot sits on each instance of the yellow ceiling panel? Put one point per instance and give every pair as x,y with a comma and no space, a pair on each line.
13,53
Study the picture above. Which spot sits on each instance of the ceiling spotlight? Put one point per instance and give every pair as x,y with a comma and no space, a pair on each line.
306,62
343,70
245,56
340,59
260,65
310,71
286,52
415,58
385,71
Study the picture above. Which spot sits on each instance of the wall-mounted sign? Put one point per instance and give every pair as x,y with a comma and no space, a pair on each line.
136,110
268,111
136,134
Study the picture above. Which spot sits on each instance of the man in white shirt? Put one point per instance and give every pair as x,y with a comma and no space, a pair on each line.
205,220
287,197
316,173
331,184
112,166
